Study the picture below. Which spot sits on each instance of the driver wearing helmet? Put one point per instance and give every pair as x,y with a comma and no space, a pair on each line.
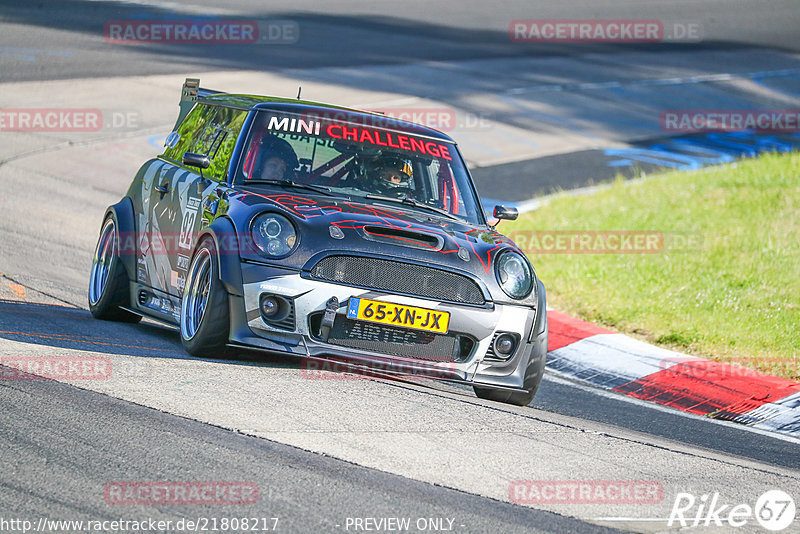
277,160
390,175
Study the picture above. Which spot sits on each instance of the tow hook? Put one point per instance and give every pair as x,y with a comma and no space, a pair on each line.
327,320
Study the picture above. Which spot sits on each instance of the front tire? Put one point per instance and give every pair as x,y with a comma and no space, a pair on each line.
109,287
205,317
533,377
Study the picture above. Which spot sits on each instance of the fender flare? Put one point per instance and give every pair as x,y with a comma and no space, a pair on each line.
540,324
226,241
124,218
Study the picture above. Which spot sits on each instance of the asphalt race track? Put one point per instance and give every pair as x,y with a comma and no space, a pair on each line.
326,451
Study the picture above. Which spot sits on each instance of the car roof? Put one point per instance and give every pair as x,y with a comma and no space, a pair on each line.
297,106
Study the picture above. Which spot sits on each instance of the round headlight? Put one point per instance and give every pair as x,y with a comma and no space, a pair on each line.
273,234
514,275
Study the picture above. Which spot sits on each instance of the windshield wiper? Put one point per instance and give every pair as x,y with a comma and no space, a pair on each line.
414,203
289,183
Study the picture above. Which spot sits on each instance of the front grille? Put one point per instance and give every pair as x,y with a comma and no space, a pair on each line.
398,277
392,341
490,354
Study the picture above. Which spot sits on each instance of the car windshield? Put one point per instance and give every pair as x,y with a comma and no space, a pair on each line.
359,161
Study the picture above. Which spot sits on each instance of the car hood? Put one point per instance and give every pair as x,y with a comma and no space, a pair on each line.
377,228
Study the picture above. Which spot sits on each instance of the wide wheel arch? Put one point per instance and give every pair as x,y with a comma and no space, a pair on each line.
223,232
125,220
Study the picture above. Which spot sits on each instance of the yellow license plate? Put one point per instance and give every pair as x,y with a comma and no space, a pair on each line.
376,311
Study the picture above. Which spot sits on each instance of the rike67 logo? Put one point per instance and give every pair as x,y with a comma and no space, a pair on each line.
774,510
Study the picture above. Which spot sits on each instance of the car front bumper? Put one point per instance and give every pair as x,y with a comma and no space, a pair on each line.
478,366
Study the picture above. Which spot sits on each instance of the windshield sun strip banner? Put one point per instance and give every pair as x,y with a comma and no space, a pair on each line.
356,133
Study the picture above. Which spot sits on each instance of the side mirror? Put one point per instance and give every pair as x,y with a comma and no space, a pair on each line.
505,212
198,160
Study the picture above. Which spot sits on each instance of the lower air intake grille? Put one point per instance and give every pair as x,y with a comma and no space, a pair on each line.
287,323
393,341
398,277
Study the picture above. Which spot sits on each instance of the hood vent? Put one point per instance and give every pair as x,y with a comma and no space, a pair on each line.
403,237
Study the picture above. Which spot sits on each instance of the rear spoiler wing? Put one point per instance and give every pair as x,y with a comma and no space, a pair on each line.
190,92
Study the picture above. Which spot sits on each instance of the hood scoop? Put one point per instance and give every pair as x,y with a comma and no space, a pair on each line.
403,237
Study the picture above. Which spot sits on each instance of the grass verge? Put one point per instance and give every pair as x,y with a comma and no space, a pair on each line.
714,271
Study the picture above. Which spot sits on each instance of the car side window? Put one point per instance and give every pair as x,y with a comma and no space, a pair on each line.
188,132
209,130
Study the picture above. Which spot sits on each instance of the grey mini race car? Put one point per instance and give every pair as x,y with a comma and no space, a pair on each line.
326,233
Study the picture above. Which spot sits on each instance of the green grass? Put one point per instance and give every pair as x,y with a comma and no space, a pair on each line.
732,295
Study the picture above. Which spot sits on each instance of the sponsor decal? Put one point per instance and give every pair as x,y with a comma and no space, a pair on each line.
187,224
388,139
124,243
350,132
183,262
165,305
287,124
178,280
141,269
